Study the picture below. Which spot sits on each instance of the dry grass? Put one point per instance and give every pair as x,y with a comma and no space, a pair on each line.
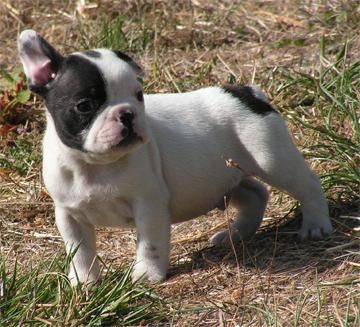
271,280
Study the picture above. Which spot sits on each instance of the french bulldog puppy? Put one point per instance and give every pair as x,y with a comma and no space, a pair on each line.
115,157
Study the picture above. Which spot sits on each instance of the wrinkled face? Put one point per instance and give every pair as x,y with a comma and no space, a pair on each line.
94,97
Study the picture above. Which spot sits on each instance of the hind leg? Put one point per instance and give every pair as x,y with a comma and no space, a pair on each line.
250,198
305,187
280,164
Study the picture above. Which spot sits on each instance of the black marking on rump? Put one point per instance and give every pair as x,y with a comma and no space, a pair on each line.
246,95
77,79
93,53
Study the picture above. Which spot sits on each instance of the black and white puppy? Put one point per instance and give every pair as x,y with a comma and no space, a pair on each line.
108,162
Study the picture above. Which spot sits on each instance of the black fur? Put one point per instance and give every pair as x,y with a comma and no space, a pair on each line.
245,95
78,79
93,53
138,70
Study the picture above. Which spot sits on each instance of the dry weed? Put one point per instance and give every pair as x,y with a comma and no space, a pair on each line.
184,45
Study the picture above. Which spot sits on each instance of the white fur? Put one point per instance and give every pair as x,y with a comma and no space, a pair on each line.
178,175
174,171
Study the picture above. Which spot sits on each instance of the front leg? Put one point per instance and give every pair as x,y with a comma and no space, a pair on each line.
78,236
153,240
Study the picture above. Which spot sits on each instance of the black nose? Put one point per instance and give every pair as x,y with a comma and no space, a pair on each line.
126,117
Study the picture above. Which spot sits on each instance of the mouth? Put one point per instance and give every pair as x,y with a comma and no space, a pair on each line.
129,135
130,139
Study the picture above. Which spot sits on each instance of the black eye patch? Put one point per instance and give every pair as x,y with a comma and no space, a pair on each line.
75,99
86,106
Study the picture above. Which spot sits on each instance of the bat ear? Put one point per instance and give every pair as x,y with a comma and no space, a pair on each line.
136,67
40,60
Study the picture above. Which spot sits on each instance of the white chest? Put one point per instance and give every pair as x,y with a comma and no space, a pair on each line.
92,196
111,212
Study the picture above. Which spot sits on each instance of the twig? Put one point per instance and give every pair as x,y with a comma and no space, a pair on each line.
230,237
342,246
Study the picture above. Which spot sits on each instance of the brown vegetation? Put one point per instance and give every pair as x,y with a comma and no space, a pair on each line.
184,45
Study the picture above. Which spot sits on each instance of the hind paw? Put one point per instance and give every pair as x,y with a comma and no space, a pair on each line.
315,231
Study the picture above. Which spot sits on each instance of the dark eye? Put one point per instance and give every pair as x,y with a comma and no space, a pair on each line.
85,106
140,96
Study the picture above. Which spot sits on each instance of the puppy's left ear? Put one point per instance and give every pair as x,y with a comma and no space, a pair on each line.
40,60
137,69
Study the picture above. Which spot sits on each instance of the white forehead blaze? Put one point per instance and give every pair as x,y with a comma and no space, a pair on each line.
121,84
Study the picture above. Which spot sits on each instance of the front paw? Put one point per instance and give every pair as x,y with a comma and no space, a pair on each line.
148,271
222,238
83,277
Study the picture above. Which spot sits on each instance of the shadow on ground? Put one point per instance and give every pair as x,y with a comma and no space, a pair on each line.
278,248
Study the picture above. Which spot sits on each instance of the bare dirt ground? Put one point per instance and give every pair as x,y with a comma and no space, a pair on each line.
187,45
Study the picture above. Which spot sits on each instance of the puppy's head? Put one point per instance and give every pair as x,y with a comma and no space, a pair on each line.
94,97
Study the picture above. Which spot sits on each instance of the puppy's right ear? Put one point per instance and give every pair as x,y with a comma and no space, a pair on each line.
40,60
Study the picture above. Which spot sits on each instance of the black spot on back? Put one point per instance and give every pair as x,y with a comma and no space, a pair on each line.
246,95
93,53
77,79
